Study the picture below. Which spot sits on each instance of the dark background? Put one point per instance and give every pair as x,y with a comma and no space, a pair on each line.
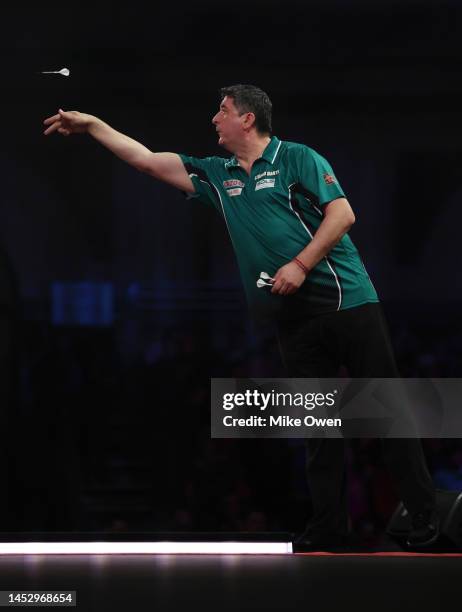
105,409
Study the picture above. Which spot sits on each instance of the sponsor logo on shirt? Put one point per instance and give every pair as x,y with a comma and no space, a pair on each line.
264,183
267,173
233,183
233,187
234,192
329,179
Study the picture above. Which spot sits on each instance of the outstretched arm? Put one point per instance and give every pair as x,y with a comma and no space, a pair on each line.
166,167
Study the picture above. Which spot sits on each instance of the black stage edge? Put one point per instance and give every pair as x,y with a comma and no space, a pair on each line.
241,583
144,536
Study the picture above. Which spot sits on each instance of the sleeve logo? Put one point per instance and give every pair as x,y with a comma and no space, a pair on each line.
329,179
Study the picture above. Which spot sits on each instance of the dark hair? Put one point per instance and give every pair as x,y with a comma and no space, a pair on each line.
251,99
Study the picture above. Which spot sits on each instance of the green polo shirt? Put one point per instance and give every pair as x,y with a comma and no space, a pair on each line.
272,214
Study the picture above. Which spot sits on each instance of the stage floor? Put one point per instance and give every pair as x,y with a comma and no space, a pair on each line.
388,581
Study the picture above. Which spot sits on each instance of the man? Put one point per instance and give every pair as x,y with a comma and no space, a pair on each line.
288,216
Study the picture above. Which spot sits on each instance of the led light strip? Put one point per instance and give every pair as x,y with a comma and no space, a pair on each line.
145,548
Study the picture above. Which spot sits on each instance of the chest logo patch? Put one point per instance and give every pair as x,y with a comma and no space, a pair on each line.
264,183
233,183
233,187
235,191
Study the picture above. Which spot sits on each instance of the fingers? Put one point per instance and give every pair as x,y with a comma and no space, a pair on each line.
277,283
53,128
51,119
279,287
57,127
287,279
276,286
283,287
55,123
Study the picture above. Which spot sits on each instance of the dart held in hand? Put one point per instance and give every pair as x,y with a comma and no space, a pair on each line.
265,280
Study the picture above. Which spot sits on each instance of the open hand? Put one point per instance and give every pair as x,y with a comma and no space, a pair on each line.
66,123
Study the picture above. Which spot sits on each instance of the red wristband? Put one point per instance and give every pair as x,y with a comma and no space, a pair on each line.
301,264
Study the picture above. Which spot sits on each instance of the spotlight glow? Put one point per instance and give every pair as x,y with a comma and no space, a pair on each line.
145,548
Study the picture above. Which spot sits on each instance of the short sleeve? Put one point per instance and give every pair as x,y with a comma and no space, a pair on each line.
201,172
315,174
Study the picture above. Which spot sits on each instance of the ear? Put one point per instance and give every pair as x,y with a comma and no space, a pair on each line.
249,121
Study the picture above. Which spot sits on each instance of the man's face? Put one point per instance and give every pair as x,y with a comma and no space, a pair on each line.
229,124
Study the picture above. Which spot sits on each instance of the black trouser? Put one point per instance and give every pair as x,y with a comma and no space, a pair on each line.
315,347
